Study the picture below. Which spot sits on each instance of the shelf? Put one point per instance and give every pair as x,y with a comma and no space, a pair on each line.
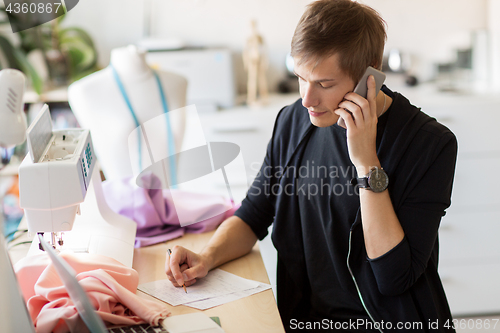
51,96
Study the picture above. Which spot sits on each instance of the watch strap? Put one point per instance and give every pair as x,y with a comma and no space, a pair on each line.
361,182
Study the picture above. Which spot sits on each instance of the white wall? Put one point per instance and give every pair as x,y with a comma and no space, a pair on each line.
111,23
494,26
431,30
428,29
227,22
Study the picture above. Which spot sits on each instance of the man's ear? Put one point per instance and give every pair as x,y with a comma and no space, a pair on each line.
377,64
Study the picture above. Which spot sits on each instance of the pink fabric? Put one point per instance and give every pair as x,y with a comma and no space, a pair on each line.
156,215
110,286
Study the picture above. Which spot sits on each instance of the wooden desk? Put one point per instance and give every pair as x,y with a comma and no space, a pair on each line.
256,313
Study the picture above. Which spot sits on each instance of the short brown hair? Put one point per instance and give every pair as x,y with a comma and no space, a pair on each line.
353,30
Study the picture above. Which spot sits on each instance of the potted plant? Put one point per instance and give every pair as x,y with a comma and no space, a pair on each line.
67,53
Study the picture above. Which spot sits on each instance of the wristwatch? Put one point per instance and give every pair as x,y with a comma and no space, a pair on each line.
376,180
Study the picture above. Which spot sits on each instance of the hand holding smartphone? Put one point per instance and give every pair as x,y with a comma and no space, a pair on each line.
362,88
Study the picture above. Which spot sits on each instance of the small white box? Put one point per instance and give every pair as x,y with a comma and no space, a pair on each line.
209,73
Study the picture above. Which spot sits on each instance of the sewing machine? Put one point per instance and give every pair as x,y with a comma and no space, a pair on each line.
54,176
58,180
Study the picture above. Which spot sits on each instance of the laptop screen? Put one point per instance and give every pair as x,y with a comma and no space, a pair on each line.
75,291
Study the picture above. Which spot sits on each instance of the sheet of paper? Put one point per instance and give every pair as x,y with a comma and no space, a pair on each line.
219,300
216,283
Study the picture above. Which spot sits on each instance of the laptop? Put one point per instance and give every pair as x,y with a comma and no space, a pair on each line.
14,316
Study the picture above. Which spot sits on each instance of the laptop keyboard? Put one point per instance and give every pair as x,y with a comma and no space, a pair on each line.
142,328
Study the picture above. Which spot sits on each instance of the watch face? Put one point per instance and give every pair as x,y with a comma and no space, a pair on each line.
378,180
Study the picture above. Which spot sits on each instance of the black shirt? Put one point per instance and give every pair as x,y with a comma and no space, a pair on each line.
325,173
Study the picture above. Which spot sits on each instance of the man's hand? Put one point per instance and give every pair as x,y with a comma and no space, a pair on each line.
360,117
184,266
232,239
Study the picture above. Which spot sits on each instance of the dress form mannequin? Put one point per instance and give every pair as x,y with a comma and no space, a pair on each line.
98,104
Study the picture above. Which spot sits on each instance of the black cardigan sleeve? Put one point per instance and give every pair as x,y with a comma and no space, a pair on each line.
420,215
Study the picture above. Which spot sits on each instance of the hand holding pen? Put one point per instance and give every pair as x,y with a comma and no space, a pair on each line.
170,257
183,266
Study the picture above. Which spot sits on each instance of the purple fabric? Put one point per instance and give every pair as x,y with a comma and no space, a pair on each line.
156,215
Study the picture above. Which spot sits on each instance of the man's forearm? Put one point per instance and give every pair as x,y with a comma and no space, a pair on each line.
381,227
233,239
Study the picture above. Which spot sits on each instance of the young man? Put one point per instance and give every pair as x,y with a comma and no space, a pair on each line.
363,257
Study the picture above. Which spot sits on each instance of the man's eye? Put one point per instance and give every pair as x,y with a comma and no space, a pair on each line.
325,86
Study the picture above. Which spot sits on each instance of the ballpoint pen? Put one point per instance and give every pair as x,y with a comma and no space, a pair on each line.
169,255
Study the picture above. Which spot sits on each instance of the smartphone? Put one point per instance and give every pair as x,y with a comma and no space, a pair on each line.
362,88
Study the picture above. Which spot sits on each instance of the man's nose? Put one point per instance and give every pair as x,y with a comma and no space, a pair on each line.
309,96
